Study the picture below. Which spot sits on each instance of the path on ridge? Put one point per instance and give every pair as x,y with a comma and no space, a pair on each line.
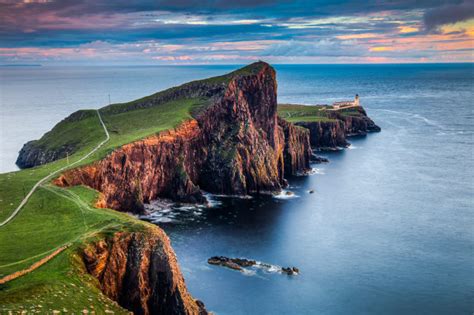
44,179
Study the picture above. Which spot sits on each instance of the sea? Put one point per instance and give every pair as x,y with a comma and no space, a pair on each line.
388,229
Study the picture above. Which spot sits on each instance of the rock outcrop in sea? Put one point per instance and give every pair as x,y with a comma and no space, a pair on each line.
236,146
240,264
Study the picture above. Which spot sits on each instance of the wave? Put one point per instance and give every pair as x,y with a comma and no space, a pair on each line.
269,268
231,196
163,220
426,120
165,211
248,272
285,194
316,171
429,121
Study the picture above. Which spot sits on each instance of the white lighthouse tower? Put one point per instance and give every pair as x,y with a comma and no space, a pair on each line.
356,100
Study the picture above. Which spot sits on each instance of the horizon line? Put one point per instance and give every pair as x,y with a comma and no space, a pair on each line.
228,64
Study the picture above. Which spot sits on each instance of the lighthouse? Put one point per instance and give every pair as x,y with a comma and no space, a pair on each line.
356,100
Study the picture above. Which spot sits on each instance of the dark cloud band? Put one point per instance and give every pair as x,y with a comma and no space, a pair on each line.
448,14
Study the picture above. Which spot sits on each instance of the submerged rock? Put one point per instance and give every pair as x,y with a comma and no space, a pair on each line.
240,263
318,159
232,263
290,271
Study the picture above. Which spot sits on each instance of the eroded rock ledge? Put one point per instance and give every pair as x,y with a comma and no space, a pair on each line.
331,135
139,271
235,146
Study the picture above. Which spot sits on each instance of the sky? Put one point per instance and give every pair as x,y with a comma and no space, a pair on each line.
235,32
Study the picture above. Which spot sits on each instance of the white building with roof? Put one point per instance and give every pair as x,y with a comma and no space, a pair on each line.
345,104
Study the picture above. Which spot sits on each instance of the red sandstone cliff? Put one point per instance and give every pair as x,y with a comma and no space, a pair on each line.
326,135
237,145
297,147
139,270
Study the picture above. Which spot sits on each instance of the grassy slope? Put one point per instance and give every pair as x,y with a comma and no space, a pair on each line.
56,216
47,222
130,126
310,113
66,131
295,113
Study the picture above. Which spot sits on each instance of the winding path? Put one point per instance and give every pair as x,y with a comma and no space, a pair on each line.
55,251
47,177
35,266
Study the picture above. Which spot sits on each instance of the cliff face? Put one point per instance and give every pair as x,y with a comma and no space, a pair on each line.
139,271
159,166
297,147
31,155
358,125
326,135
332,134
235,146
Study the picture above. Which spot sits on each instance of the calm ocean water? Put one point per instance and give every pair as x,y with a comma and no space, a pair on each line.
389,229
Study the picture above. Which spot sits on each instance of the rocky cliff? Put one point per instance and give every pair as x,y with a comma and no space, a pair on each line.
357,124
236,145
32,155
297,148
139,271
332,133
326,135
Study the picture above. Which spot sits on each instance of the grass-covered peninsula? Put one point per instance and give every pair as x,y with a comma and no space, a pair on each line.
55,217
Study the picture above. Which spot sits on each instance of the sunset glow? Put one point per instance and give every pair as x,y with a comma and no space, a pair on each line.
161,32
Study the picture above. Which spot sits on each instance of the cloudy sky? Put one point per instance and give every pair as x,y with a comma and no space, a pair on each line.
235,32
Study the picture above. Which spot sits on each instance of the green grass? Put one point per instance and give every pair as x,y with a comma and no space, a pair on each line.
350,112
250,69
306,113
60,285
170,94
130,126
65,133
54,217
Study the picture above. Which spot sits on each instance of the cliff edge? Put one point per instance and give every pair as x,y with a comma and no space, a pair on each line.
234,145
